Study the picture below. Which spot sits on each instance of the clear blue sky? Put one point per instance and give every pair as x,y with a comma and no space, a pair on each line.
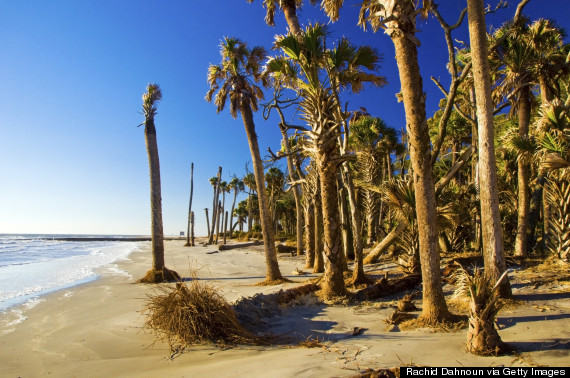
72,159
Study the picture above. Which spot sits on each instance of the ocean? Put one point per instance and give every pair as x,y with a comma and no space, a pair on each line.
34,265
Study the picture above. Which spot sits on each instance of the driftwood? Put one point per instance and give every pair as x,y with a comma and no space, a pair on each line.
386,287
285,248
225,247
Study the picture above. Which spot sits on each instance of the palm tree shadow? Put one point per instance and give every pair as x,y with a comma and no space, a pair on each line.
536,346
512,321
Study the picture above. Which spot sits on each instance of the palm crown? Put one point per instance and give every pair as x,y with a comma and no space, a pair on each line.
233,76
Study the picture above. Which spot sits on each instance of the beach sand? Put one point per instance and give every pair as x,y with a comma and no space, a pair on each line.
94,330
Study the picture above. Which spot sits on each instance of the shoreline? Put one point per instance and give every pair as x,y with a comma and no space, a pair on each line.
94,329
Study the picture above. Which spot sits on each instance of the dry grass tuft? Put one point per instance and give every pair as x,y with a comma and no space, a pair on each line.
160,276
194,313
311,342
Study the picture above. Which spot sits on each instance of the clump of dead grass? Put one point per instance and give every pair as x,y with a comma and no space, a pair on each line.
194,313
454,324
160,276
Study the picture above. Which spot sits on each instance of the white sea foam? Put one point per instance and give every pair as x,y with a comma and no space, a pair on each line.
33,267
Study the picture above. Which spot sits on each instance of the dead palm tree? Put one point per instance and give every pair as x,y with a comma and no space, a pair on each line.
235,79
158,273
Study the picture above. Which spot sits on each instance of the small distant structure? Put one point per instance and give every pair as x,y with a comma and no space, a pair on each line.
181,233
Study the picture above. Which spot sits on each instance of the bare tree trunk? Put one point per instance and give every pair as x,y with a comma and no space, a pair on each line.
215,209
494,255
232,215
310,236
319,263
208,222
220,213
225,227
273,273
523,175
188,242
157,244
383,245
192,221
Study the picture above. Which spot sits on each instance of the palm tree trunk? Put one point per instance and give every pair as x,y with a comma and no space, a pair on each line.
188,242
272,273
157,244
297,193
318,264
383,245
521,241
192,222
289,8
333,280
207,222
309,236
494,256
435,307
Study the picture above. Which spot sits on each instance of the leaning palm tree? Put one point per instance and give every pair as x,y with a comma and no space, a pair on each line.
235,79
158,273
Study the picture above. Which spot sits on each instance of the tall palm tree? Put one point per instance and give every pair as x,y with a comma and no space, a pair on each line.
158,273
492,233
305,67
516,82
235,78
398,18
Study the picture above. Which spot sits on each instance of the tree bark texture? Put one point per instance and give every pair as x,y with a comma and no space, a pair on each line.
157,243
188,241
309,236
273,272
318,263
434,306
492,235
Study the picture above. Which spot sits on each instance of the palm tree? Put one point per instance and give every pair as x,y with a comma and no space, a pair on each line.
306,67
398,18
482,337
492,233
158,273
249,181
232,79
238,186
289,8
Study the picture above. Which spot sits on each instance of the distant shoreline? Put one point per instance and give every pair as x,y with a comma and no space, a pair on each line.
112,238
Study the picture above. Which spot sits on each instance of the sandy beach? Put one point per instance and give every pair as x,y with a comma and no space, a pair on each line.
94,330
